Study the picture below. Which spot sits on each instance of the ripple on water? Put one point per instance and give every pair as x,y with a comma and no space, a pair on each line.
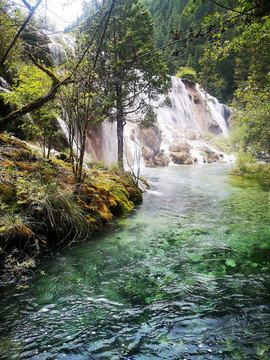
185,277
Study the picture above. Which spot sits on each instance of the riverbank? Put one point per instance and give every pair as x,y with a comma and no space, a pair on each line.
42,206
253,171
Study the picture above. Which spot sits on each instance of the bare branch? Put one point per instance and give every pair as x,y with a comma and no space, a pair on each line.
27,5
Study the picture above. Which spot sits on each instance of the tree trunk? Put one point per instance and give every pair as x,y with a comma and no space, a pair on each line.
120,138
81,157
120,120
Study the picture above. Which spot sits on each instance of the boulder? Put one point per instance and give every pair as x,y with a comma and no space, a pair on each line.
210,155
161,159
183,158
190,134
180,147
214,127
147,153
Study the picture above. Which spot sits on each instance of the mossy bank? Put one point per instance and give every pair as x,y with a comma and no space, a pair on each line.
42,206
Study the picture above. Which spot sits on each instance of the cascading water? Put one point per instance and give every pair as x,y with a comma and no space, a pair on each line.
4,85
182,117
59,46
181,114
217,110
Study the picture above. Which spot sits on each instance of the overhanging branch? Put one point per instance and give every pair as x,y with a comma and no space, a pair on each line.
36,104
19,32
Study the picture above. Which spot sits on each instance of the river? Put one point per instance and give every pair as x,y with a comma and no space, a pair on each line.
185,276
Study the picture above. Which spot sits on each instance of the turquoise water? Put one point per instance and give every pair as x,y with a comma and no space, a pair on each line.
185,276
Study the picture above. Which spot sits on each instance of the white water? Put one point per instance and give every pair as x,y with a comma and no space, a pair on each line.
183,122
182,113
59,47
190,114
217,110
4,84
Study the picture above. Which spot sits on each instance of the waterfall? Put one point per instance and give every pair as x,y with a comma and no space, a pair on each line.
182,117
176,137
59,46
217,110
181,113
4,85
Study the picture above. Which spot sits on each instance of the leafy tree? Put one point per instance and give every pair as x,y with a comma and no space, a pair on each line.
31,83
251,128
7,33
21,28
81,102
129,77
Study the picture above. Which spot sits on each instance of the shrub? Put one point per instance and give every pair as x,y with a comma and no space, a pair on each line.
188,74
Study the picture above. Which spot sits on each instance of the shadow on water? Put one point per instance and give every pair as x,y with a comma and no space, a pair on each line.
186,276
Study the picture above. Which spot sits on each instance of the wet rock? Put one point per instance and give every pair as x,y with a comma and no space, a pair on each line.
36,42
161,159
147,153
180,147
190,134
214,127
135,194
181,158
210,155
151,138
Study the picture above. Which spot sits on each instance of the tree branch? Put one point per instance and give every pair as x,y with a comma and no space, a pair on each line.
27,5
103,35
36,104
19,32
228,8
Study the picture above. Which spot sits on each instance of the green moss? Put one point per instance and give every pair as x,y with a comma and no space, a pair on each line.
97,165
41,205
252,171
7,193
188,74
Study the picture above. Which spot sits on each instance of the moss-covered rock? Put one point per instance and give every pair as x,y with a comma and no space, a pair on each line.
41,205
210,155
181,158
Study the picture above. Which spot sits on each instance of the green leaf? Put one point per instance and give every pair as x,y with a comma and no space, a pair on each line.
230,262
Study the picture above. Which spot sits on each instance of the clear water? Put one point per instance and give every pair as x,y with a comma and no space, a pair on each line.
186,276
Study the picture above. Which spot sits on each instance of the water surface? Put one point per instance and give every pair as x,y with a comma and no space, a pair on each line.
186,276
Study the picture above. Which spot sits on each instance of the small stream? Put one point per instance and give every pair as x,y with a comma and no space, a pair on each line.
185,276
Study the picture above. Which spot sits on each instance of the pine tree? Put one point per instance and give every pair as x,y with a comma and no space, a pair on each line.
129,77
